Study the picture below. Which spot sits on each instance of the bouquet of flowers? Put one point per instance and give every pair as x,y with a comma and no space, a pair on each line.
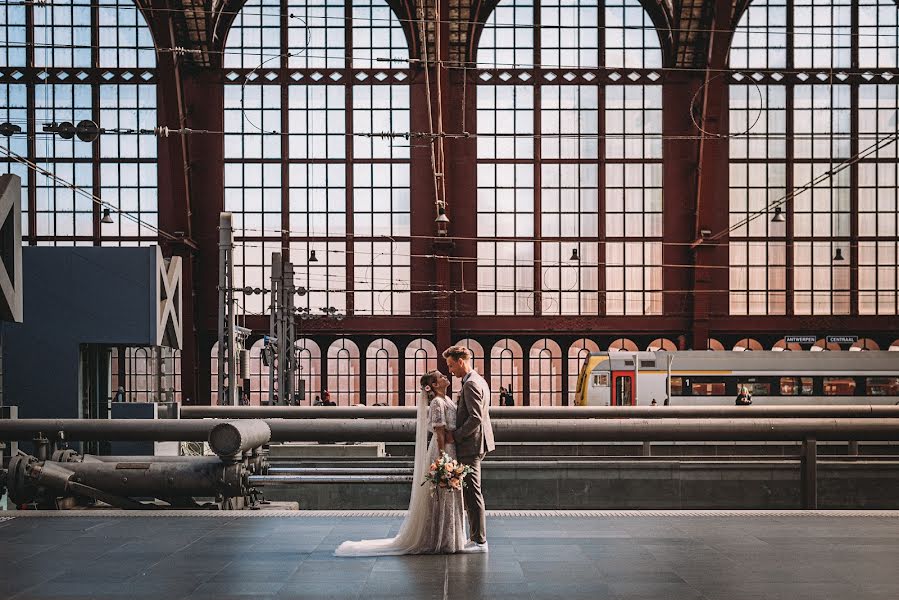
446,473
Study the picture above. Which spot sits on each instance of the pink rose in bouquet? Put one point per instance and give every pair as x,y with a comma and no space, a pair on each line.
446,473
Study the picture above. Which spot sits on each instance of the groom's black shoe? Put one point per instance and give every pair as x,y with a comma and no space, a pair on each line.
473,547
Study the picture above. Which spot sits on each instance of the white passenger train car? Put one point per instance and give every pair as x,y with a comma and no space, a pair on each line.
709,378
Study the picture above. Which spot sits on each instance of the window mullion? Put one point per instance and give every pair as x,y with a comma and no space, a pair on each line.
537,250
349,267
284,139
31,112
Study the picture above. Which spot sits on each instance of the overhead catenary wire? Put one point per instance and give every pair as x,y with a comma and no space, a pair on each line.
840,166
85,193
96,199
579,136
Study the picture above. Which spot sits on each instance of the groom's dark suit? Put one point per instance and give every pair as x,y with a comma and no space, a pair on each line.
474,439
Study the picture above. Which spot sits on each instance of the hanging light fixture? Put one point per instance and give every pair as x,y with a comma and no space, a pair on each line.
312,257
778,215
574,254
442,221
838,255
107,216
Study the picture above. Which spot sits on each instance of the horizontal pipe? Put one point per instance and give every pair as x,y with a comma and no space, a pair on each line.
336,471
506,430
233,438
272,480
151,479
835,411
212,460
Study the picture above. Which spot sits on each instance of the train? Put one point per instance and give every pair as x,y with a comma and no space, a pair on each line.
703,378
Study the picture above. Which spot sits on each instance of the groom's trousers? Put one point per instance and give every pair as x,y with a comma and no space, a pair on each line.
474,499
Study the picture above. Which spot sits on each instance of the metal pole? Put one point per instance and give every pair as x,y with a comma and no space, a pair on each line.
552,412
226,348
275,327
670,359
285,335
506,430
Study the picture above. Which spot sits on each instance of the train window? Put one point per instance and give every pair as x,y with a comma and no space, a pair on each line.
756,388
601,379
708,388
796,386
677,386
839,386
882,386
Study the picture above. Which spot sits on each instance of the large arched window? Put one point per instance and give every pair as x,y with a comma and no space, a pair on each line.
477,361
812,86
294,178
67,63
545,374
421,357
259,377
577,356
146,374
343,372
382,366
309,361
258,392
569,159
506,370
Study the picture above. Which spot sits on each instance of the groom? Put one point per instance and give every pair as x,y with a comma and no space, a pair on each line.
473,437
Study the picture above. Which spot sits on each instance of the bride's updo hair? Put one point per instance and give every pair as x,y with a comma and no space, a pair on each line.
427,381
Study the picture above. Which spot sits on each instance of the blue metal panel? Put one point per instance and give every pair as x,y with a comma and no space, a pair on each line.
74,296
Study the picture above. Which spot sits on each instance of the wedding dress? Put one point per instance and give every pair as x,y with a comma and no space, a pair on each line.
434,521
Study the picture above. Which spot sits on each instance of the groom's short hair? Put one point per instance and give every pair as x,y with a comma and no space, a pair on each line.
457,353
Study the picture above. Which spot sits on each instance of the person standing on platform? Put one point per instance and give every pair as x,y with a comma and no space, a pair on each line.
473,438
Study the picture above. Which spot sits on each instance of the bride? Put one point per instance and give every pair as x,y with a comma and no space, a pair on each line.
434,522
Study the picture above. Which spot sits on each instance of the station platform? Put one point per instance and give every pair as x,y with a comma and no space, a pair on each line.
684,555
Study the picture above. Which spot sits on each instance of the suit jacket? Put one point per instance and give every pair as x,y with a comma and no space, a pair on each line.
474,434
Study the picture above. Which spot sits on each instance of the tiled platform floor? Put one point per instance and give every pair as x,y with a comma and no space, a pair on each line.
679,556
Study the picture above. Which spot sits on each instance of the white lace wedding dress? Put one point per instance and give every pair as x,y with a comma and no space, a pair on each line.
434,523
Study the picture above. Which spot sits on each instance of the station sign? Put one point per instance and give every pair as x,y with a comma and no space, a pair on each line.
800,339
842,339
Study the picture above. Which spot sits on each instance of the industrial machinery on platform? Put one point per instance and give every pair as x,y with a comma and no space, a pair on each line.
700,378
64,479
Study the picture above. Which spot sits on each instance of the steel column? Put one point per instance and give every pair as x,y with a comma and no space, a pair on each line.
809,473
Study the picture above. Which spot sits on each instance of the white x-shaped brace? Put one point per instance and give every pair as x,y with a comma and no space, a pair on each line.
11,283
168,315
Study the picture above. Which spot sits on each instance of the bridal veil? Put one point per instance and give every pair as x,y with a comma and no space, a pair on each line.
411,536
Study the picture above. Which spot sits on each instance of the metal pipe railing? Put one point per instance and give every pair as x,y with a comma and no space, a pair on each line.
274,480
809,431
505,430
337,471
835,411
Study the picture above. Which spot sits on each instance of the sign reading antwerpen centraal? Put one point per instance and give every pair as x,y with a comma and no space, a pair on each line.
842,339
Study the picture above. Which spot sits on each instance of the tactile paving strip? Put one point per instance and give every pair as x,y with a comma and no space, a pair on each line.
555,514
